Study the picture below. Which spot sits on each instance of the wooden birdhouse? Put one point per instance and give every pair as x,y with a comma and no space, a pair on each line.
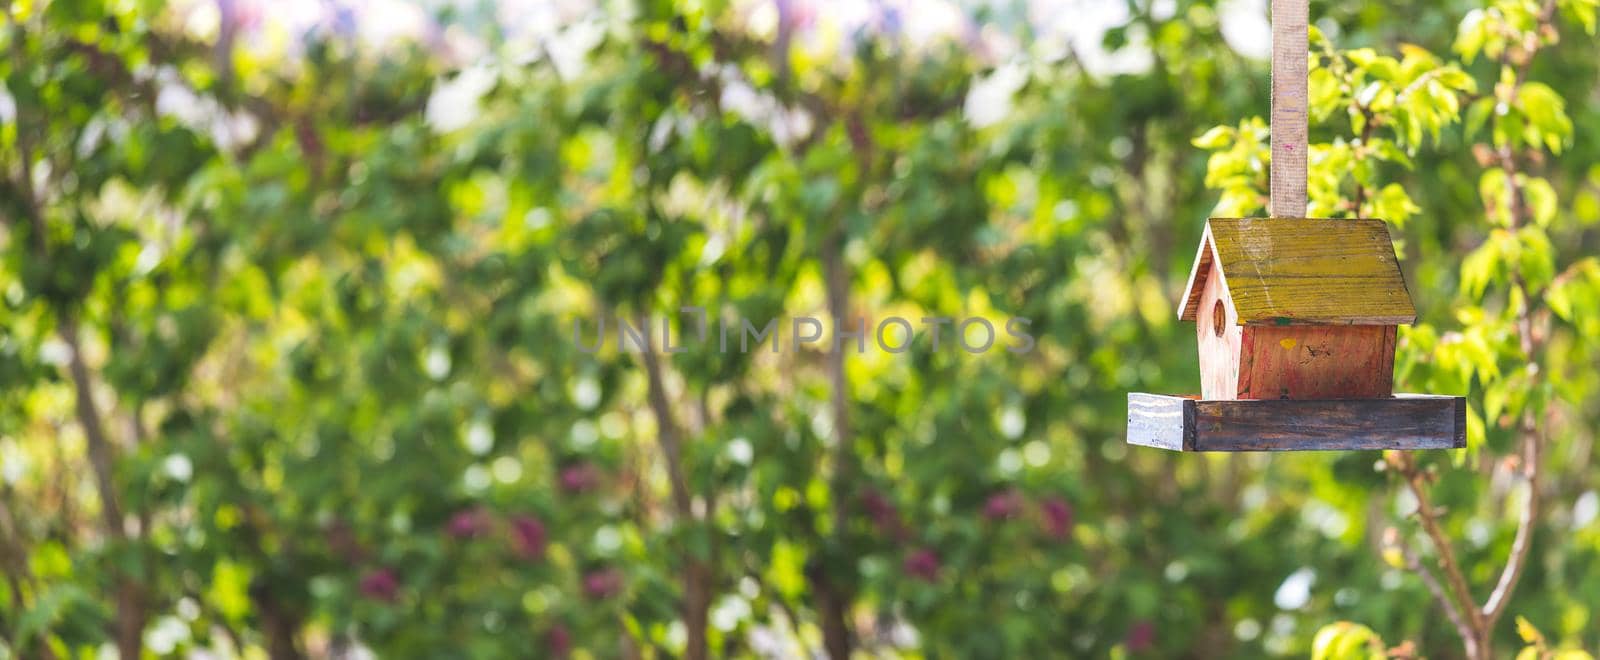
1295,318
1288,308
1295,321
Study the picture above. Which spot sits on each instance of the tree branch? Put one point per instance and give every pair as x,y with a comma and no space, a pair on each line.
1429,517
1523,542
832,598
130,617
698,579
1451,610
667,432
130,606
100,449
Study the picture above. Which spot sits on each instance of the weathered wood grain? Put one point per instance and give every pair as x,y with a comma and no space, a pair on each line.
1285,270
1164,422
1314,362
1403,421
1287,169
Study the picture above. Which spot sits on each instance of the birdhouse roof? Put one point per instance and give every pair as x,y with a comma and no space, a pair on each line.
1303,271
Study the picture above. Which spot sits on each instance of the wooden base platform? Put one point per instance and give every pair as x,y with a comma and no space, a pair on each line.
1403,421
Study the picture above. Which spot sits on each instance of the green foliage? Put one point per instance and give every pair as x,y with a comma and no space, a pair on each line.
1539,649
1343,640
330,387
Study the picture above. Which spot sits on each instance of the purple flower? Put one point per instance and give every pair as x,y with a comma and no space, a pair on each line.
468,523
529,535
579,478
602,583
1141,636
876,504
1002,505
1057,513
922,564
380,584
558,641
885,517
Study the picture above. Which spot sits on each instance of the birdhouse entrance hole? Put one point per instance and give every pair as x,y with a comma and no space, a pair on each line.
1219,318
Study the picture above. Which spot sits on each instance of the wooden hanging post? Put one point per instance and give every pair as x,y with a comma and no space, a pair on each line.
1296,319
1290,50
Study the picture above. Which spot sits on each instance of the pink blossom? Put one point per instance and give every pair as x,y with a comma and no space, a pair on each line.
1004,504
381,584
529,536
602,583
885,517
1141,636
1057,513
468,523
922,564
580,478
558,641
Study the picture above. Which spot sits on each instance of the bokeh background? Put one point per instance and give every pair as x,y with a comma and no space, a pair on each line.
287,365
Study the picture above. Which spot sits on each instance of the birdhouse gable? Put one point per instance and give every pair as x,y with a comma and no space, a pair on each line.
1293,271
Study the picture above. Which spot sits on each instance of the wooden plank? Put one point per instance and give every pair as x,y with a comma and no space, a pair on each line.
1287,169
1289,270
1164,422
1403,421
1315,362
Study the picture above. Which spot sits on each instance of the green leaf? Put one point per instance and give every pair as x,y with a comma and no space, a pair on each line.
1323,93
1559,299
1494,188
1546,113
1477,114
1389,151
1315,38
1577,288
1362,57
1508,129
1470,35
1344,640
1376,96
1454,78
1215,138
1582,11
1476,430
1494,400
1541,199
1536,258
1383,68
1393,204
1528,633
1482,265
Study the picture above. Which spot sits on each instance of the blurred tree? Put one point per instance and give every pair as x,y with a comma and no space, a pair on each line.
297,352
